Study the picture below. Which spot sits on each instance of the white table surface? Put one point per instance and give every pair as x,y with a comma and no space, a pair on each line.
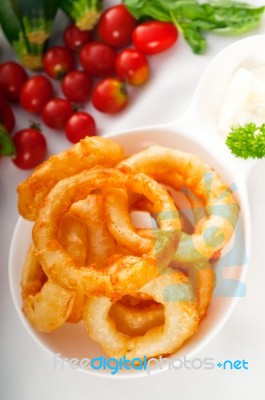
27,371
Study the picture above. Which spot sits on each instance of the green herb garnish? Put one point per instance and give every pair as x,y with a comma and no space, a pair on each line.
247,141
7,147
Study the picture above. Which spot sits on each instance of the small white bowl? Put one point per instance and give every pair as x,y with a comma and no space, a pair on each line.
195,132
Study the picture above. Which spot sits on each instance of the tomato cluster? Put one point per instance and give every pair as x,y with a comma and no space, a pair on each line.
108,66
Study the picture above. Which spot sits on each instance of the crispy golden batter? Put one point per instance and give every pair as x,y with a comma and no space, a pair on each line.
45,304
86,154
173,291
123,276
117,217
136,320
100,244
73,236
202,277
177,169
140,292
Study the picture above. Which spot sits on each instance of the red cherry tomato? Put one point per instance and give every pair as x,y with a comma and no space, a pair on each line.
35,93
12,78
110,95
56,113
58,61
98,59
79,126
74,38
7,118
31,148
76,86
132,66
153,37
116,26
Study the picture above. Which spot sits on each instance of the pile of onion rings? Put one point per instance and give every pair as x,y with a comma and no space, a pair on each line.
114,246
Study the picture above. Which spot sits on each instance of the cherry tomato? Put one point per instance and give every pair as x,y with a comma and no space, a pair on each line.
116,26
7,118
31,148
153,37
12,78
35,93
74,38
132,66
79,126
58,61
98,59
76,86
56,113
110,95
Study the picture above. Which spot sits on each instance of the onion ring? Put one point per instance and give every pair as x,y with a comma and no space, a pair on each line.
202,276
100,242
125,275
45,304
176,168
136,320
180,314
116,207
77,311
86,154
73,237
204,282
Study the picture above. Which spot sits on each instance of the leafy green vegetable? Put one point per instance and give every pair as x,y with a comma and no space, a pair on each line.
7,147
192,18
247,141
36,17
85,13
27,25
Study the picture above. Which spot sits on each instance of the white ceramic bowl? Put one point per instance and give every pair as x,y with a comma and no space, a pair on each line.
195,132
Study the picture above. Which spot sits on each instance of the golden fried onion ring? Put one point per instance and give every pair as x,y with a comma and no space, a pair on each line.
97,239
86,154
45,304
176,168
73,237
202,276
125,275
77,311
116,210
100,243
136,320
180,314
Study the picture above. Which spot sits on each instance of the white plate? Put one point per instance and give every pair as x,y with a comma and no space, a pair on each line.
196,132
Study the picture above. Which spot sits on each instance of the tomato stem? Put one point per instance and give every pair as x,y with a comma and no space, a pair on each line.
34,125
75,107
123,88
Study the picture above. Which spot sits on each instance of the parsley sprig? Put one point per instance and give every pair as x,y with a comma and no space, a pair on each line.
247,141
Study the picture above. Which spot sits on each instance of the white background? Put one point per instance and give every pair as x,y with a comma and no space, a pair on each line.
27,371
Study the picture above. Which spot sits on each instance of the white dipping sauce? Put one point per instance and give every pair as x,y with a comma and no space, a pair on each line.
244,99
